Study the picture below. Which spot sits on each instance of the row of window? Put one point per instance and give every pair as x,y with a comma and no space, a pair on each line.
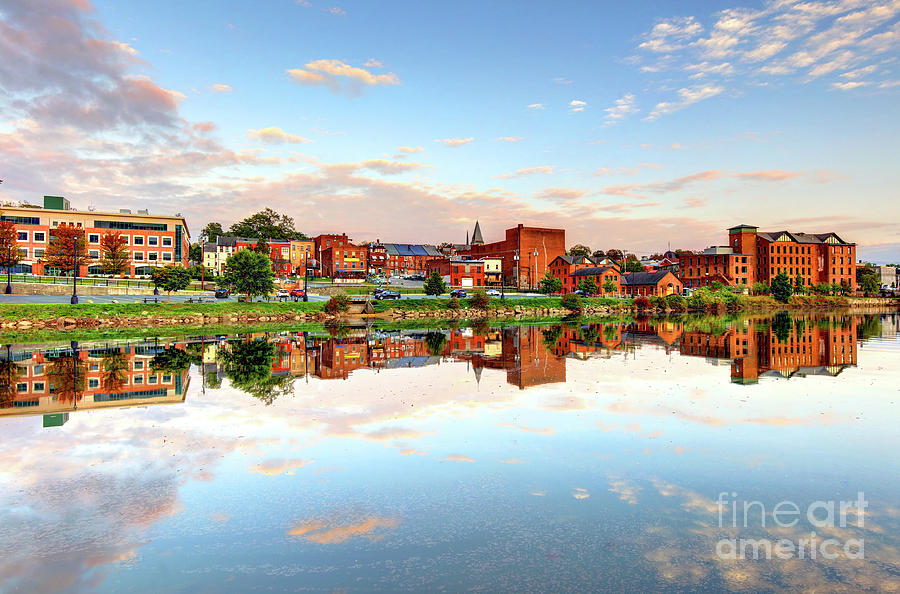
94,238
38,254
39,387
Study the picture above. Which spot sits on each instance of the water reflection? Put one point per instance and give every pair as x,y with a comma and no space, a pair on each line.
265,365
572,457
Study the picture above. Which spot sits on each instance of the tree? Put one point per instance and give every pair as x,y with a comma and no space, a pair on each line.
760,288
249,366
67,248
479,299
171,360
572,302
267,224
435,342
609,286
115,255
798,284
868,279
599,254
171,278
114,373
195,253
781,287
579,250
633,265
614,255
262,246
435,285
550,284
781,324
249,273
211,232
9,248
588,286
65,378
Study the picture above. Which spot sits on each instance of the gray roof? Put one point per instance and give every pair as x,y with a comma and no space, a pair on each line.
411,249
593,271
815,238
644,278
476,234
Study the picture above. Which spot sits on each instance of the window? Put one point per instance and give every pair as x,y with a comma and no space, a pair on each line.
22,235
152,256
167,257
93,383
94,253
23,252
38,387
167,241
153,241
93,238
22,387
40,236
138,256
138,365
138,240
152,379
138,380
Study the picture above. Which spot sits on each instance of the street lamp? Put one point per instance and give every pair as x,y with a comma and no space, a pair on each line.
533,267
8,269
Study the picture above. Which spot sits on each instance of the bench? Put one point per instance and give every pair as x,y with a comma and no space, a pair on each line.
197,300
151,299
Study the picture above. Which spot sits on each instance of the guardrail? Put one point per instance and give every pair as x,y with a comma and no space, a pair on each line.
87,281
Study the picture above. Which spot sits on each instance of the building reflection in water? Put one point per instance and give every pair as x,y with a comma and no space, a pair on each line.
55,381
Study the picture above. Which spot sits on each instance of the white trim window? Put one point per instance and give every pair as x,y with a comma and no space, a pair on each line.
137,240
39,237
137,256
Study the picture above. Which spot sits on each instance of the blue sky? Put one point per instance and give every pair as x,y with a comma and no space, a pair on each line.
627,125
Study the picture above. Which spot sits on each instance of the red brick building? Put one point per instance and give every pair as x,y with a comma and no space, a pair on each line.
410,258
526,253
459,273
600,275
752,256
662,282
345,261
563,267
377,258
325,241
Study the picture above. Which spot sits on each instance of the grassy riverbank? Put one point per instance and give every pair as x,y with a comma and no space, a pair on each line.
45,311
493,304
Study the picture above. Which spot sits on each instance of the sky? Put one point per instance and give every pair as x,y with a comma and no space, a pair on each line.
638,126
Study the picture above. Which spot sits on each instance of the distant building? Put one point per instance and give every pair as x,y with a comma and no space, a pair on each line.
525,253
302,253
410,258
345,261
377,258
601,275
563,266
153,240
887,275
325,241
752,256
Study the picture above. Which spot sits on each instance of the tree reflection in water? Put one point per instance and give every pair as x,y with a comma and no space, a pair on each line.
248,365
66,377
9,372
115,370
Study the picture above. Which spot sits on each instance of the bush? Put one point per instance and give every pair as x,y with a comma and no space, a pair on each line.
657,302
572,302
453,303
642,303
337,304
759,288
479,299
782,287
676,302
435,284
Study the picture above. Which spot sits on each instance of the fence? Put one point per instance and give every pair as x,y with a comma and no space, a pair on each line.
87,281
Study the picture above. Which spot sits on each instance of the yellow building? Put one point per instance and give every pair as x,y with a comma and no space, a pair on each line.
301,251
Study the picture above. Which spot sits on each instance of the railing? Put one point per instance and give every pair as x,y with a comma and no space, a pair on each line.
87,281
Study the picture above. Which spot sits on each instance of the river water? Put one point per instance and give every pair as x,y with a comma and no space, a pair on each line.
635,454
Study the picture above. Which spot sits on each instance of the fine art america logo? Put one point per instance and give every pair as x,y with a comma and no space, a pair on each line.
784,519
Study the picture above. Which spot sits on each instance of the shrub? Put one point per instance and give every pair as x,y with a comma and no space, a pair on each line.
657,302
453,303
572,302
676,302
479,299
337,304
642,303
759,288
782,287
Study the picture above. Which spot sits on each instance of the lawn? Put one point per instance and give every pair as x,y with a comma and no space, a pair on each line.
96,310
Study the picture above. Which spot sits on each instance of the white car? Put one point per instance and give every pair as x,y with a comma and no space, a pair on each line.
282,293
493,293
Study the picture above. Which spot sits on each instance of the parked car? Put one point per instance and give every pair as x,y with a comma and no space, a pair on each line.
378,291
458,293
282,294
493,293
387,294
222,293
297,293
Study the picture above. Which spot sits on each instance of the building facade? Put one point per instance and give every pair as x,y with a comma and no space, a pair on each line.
525,253
302,255
152,240
410,258
345,261
459,273
601,275
752,255
644,284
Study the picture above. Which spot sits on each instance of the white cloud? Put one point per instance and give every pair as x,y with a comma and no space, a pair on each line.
538,170
577,105
373,63
536,106
454,142
220,88
622,109
509,138
410,149
848,86
340,77
687,96
275,136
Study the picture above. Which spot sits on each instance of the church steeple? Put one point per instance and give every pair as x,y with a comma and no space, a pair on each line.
477,239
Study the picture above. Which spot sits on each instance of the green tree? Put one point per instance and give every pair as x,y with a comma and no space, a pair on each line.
114,373
868,279
598,254
171,359
267,224
572,302
115,255
211,232
579,250
550,284
195,253
248,365
781,287
609,286
760,288
799,287
435,285
632,264
781,324
479,299
262,246
588,286
171,278
249,273
435,342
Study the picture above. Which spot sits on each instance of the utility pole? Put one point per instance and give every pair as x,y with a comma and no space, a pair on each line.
74,300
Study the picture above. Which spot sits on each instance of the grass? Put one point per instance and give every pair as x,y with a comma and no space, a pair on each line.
535,302
45,311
